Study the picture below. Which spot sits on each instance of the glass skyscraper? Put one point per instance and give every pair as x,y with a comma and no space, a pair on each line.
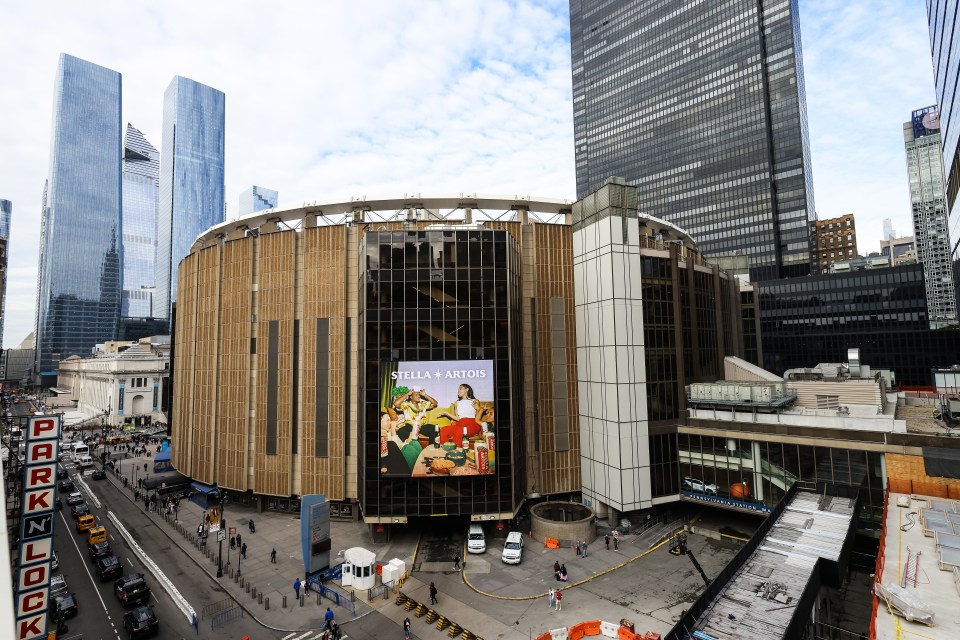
191,178
700,105
257,199
6,211
921,138
78,289
944,19
141,180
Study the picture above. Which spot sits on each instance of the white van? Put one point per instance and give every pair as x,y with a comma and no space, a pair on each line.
513,548
84,461
476,542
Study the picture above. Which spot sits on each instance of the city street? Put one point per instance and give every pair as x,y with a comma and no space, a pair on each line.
100,612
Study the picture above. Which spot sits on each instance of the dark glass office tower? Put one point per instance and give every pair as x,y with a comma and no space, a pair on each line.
191,178
141,178
944,19
6,211
702,107
78,297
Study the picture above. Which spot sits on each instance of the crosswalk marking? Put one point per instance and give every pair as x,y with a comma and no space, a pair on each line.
288,636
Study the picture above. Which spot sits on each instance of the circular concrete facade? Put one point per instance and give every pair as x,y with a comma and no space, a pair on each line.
563,521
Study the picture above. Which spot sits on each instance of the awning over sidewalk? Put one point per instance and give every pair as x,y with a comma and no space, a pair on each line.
209,491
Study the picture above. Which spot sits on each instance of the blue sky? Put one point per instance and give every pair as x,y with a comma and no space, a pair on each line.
327,100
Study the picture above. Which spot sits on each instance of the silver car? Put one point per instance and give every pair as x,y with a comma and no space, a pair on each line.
699,486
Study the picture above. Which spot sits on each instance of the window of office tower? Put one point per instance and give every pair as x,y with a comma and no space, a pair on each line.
432,303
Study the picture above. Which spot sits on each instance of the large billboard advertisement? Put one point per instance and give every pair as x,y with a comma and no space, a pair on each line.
437,418
926,121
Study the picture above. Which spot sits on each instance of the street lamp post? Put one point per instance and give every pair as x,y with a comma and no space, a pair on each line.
220,536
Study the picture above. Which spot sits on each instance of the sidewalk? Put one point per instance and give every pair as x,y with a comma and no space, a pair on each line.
278,531
647,586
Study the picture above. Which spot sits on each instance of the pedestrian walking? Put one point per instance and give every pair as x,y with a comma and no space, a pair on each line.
296,588
606,541
239,539
551,597
433,593
616,539
328,618
273,556
406,629
243,551
456,562
563,574
556,570
578,547
584,549
559,597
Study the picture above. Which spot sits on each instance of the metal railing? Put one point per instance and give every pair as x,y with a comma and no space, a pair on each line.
217,607
226,616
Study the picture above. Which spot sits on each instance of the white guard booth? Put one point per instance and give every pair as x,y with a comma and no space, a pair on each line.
359,568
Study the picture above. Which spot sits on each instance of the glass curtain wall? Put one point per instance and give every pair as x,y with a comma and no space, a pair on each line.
441,296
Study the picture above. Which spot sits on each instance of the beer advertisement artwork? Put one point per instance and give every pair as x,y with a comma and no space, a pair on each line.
437,418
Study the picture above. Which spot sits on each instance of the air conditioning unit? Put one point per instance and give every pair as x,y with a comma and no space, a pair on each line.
903,501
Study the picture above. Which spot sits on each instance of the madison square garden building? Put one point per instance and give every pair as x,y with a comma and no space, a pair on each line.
445,355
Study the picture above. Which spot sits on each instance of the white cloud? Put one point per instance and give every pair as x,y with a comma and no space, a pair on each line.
331,99
867,66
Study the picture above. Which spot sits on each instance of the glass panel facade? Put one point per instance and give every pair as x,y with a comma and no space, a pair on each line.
191,178
141,175
762,472
925,172
702,107
79,277
944,20
805,321
440,296
257,199
6,211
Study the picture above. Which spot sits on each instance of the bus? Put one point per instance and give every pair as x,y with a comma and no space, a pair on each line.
171,484
77,450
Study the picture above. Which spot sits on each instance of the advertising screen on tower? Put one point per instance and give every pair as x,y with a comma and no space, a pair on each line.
437,418
926,121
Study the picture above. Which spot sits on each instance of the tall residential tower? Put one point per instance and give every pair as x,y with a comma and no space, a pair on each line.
78,297
191,178
922,139
701,106
141,177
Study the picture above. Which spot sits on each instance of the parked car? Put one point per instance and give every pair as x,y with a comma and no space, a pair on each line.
132,590
141,622
55,562
476,541
74,498
57,503
100,550
108,568
99,474
58,585
513,548
67,602
699,486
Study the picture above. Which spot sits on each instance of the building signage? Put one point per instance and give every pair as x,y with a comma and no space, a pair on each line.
315,532
437,418
36,527
926,122
727,502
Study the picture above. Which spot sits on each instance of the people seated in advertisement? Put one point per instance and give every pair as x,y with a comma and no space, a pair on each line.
463,415
414,404
400,454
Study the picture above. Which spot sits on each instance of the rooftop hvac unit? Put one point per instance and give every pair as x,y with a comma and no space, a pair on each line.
903,501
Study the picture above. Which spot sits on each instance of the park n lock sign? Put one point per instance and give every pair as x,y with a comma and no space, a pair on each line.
36,527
